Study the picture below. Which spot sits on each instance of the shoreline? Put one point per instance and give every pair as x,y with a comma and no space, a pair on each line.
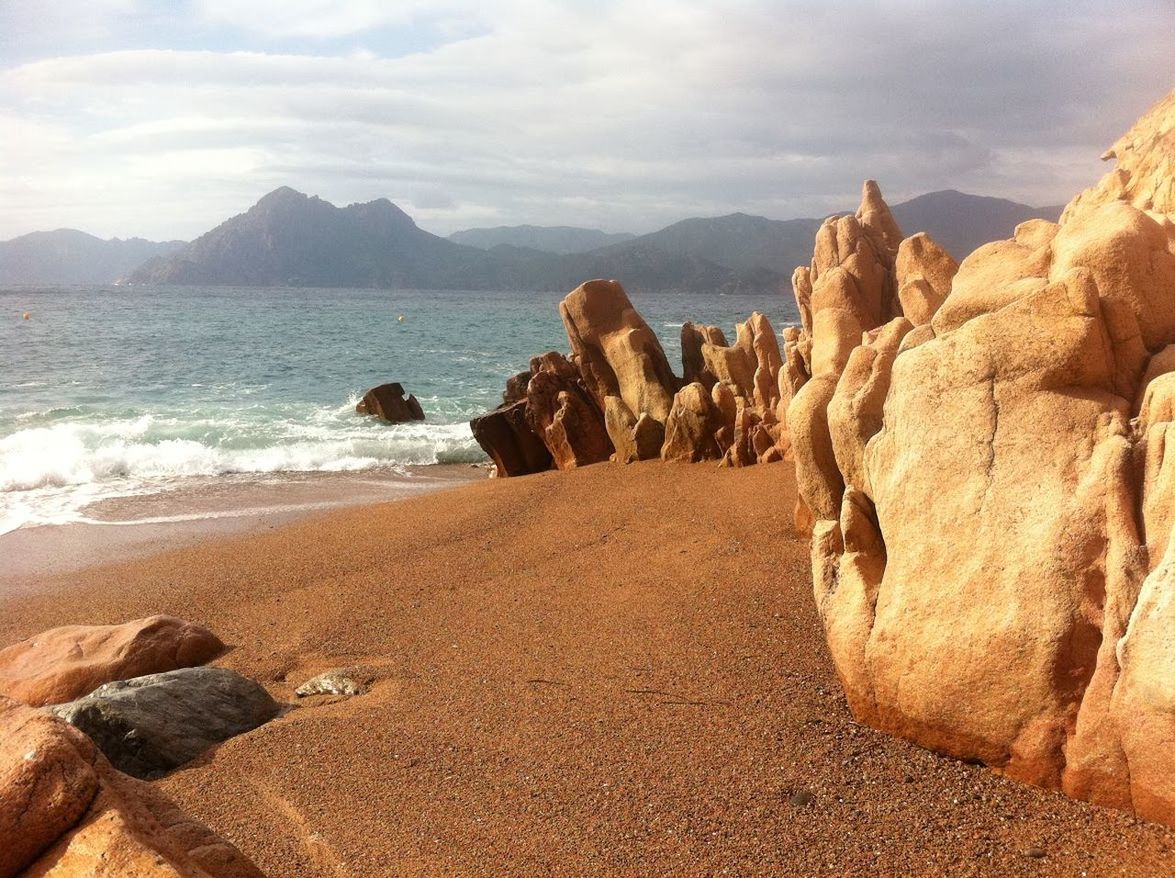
609,670
203,508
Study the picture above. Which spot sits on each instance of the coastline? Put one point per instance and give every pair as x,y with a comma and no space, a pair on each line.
608,670
198,509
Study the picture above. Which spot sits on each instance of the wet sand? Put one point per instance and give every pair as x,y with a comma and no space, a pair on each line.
200,509
616,670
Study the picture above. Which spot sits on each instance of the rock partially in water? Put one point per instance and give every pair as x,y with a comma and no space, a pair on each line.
338,681
388,403
64,811
66,663
149,725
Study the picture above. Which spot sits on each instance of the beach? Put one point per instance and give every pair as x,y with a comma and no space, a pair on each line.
610,670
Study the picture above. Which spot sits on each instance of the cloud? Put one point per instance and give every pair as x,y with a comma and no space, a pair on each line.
613,115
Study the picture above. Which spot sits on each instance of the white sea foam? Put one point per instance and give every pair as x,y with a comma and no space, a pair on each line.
48,473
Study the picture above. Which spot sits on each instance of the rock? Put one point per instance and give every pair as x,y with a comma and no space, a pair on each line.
751,365
516,387
691,427
1034,853
505,435
562,413
64,811
693,364
849,289
339,681
615,350
924,274
634,438
149,725
65,663
991,532
387,402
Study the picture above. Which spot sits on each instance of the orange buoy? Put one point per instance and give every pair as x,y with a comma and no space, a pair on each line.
27,315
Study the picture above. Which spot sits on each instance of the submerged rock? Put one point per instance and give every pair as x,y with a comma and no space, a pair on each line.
65,812
66,663
388,403
149,725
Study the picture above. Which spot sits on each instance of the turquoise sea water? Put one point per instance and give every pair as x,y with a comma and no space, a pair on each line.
119,391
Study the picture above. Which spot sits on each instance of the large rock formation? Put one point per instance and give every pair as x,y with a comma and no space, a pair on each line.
991,529
66,663
147,726
618,398
65,812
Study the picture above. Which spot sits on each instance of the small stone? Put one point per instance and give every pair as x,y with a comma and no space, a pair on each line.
1034,853
801,799
339,681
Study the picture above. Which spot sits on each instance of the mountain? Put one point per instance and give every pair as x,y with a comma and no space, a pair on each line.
740,241
547,239
292,239
289,238
67,256
961,222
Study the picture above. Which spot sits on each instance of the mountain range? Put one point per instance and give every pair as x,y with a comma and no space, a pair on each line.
291,239
67,256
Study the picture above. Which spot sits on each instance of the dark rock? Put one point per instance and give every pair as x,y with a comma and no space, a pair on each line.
506,437
516,387
149,725
1034,853
564,415
387,402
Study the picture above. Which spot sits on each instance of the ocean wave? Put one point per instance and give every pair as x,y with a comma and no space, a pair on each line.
48,473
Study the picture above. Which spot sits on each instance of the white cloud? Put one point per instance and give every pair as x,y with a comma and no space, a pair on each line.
614,115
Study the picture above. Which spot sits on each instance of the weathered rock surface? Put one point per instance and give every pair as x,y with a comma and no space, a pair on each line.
64,811
149,725
65,663
691,427
339,681
564,415
388,403
991,530
506,436
615,350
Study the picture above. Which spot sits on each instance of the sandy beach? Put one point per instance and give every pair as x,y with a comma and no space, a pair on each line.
612,670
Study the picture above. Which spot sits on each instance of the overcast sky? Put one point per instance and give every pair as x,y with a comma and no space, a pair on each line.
127,117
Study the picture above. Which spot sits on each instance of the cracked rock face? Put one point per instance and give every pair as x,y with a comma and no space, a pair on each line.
65,812
991,538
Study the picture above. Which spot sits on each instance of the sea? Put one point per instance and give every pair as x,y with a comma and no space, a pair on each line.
124,392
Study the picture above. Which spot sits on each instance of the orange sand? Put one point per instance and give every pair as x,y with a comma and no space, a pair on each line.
616,670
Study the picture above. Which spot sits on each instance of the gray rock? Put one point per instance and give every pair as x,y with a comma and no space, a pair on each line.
149,725
339,681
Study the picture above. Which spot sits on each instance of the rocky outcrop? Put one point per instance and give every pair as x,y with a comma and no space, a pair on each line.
990,521
66,663
616,396
64,811
148,725
388,403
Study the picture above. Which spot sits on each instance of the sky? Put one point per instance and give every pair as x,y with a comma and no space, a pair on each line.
162,119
